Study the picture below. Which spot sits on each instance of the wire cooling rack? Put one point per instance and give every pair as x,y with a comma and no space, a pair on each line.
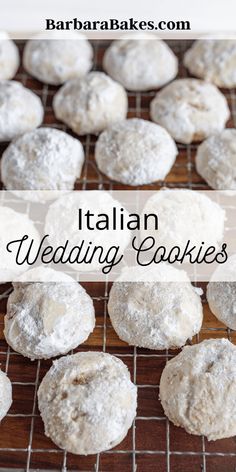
152,444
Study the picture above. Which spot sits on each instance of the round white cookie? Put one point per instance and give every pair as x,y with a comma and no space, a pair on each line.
43,159
20,110
61,224
190,109
13,226
135,152
198,389
140,64
221,297
9,57
47,319
90,104
156,315
213,60
216,160
221,292
54,61
5,394
184,215
87,402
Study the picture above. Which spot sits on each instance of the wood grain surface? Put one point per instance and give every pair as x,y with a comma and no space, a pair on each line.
153,444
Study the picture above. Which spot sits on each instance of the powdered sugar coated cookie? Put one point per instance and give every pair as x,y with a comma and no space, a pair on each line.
43,159
90,104
9,57
140,63
46,319
87,402
135,152
20,110
216,160
213,60
190,109
54,61
197,389
156,315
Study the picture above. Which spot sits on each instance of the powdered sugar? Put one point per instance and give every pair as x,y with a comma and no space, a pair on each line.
87,402
20,110
155,315
44,159
213,60
46,319
221,297
54,61
135,152
190,109
216,160
197,389
90,104
140,64
221,293
9,57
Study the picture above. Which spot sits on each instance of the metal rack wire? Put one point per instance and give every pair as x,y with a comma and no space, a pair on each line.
153,444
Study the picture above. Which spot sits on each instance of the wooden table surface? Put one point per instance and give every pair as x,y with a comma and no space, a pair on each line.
152,444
